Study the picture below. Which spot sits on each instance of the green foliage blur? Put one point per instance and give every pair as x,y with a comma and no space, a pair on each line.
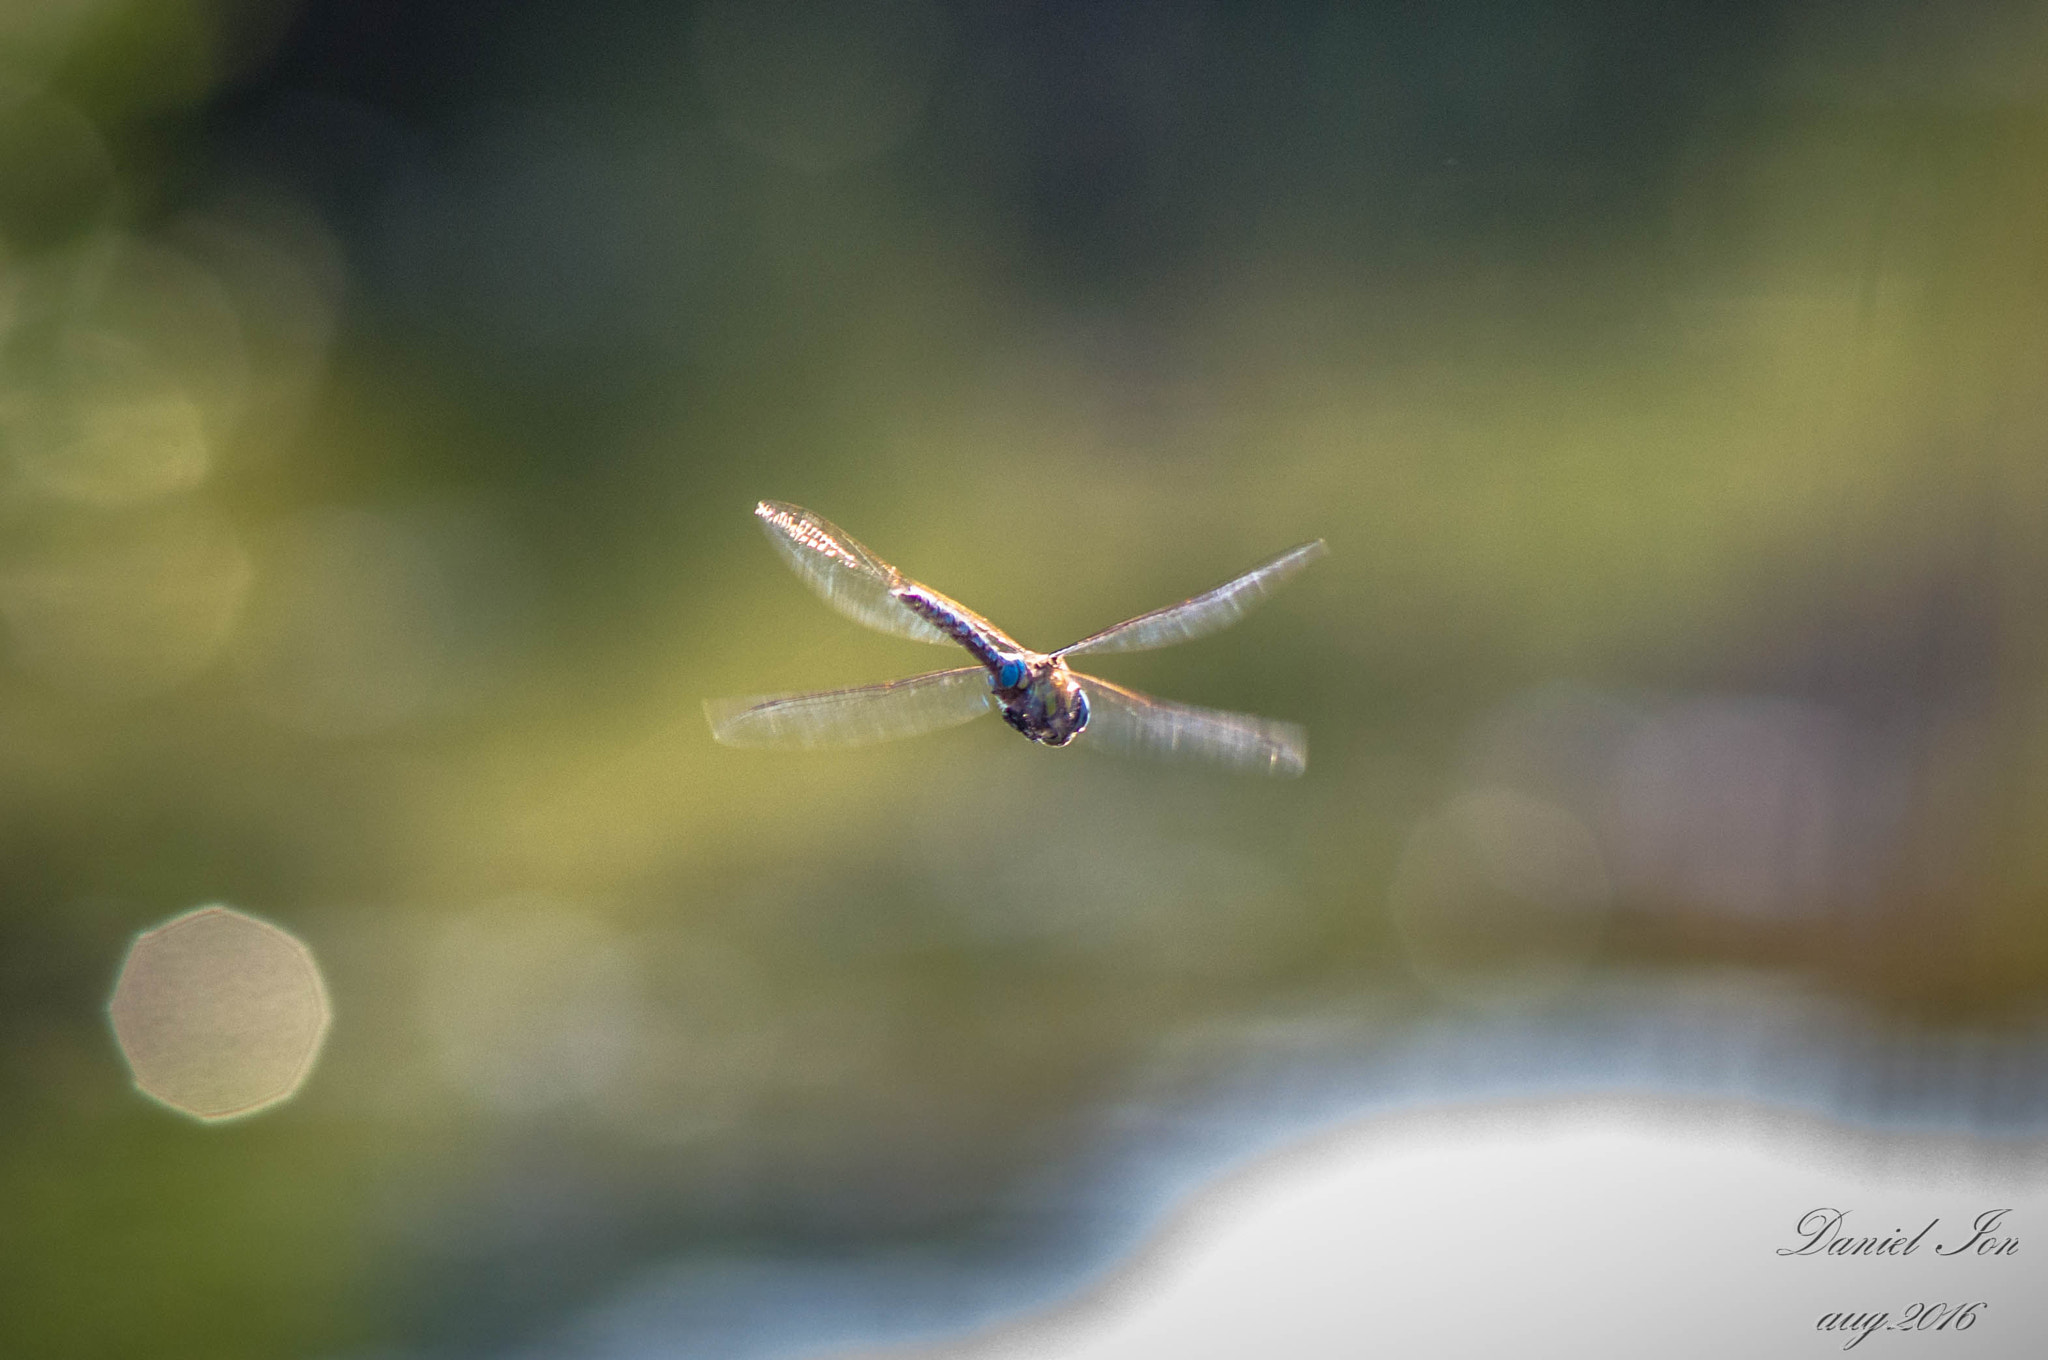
384,393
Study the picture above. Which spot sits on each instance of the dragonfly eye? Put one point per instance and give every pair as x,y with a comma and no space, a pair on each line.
1010,674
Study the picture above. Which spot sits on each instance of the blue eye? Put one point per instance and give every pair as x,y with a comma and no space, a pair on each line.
1010,674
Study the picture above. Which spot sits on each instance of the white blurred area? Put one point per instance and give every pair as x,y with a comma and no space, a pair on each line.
1550,1232
218,1014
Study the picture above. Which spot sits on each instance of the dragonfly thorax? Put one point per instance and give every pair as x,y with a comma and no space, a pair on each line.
1049,706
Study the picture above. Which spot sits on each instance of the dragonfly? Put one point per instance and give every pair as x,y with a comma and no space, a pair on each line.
1036,692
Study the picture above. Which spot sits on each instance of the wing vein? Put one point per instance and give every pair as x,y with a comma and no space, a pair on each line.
859,716
842,571
1124,720
1203,614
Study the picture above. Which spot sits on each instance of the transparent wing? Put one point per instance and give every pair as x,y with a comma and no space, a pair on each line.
1124,720
853,717
850,578
1204,614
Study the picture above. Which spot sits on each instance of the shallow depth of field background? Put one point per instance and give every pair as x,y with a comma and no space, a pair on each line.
384,389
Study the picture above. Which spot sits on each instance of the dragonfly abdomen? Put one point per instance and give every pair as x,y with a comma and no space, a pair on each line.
989,644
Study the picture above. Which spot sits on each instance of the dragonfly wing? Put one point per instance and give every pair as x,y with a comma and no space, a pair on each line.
1204,614
1124,720
850,578
853,717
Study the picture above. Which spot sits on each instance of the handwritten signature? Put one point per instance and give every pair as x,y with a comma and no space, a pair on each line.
1822,1234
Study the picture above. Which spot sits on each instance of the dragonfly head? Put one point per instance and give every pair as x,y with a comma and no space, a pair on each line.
1051,709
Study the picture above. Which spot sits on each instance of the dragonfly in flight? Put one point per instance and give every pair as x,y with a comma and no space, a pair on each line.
1035,691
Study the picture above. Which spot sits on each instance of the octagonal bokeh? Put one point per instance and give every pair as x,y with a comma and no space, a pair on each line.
219,1014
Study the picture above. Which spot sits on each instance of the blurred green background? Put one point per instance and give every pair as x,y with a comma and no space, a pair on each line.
385,386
